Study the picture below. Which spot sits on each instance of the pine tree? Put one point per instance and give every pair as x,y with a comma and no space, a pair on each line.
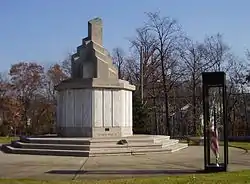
140,116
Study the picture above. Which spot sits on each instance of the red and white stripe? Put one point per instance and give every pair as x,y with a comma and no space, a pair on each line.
215,142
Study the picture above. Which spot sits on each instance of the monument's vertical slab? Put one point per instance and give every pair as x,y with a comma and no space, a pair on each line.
74,112
130,105
98,108
94,102
78,108
107,101
117,108
88,70
87,108
70,108
123,108
95,30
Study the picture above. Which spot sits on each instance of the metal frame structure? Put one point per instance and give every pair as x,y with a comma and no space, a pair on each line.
214,80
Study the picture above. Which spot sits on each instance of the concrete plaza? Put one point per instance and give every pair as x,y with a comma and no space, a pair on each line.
54,167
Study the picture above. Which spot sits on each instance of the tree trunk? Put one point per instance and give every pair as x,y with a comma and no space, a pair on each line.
141,75
194,106
246,118
168,128
155,115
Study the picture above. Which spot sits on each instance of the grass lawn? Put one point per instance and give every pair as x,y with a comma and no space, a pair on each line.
241,145
4,140
223,178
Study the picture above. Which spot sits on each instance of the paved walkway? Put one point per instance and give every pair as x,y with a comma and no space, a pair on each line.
54,167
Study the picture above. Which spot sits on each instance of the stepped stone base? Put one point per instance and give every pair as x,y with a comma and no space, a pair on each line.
87,147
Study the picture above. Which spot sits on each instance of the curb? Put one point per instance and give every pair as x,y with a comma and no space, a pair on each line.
246,150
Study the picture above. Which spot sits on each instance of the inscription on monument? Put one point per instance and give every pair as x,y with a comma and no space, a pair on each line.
107,134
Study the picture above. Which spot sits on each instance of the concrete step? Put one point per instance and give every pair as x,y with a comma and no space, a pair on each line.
24,145
126,149
134,147
85,153
130,140
88,141
77,146
139,151
169,142
76,153
55,140
177,147
18,144
140,139
161,138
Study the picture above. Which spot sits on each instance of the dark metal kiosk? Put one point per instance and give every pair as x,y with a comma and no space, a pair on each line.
215,121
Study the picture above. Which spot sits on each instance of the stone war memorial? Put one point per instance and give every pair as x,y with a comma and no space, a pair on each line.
94,102
94,110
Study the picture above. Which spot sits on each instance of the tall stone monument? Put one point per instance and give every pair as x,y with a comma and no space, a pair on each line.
94,111
94,102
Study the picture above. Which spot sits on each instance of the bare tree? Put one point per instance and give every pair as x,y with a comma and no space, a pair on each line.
132,70
167,33
66,65
143,46
192,56
236,97
248,71
217,52
119,61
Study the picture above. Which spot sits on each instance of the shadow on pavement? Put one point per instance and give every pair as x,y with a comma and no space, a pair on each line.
124,172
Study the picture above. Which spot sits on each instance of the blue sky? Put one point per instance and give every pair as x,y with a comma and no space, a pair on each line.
46,30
